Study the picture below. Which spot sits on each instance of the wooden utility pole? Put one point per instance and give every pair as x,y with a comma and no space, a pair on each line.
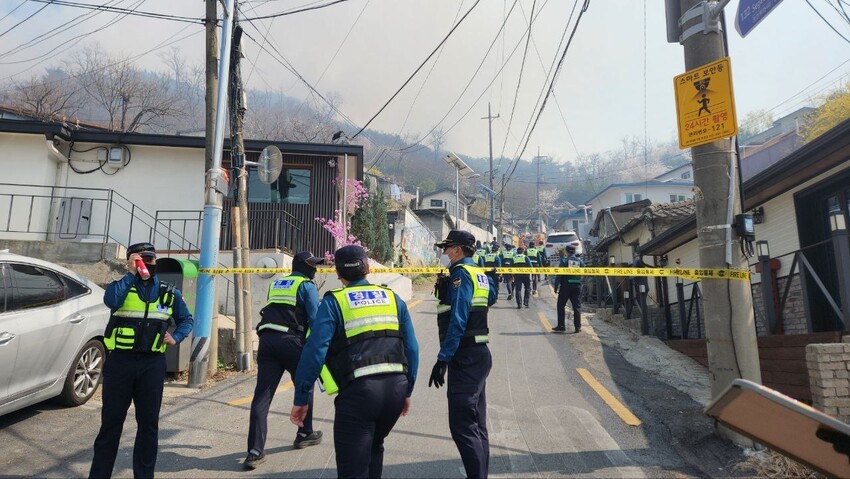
730,322
241,238
209,146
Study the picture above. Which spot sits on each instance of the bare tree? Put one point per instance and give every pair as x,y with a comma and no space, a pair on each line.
45,98
129,99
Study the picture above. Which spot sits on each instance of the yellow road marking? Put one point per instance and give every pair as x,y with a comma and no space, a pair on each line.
545,322
248,399
413,303
612,402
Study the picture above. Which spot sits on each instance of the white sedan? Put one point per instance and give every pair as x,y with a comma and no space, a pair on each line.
51,333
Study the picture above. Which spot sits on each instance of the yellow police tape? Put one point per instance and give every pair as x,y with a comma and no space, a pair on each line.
689,273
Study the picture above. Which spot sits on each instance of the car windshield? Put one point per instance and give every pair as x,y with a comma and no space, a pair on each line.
562,238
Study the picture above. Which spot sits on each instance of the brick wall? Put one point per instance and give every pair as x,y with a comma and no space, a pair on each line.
829,377
793,315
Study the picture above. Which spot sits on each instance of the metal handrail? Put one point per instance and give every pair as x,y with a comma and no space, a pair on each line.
113,202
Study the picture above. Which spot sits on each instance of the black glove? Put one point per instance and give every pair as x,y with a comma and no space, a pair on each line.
438,374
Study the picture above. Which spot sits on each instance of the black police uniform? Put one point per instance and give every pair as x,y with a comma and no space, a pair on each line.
135,366
569,289
282,330
464,353
375,369
521,279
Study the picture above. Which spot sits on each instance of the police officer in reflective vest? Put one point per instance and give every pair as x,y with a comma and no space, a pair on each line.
136,337
292,304
364,335
507,262
465,298
521,279
569,289
533,255
493,259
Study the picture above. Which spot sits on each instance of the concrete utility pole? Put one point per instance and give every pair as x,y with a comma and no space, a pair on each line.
539,223
239,215
490,119
730,322
502,210
209,151
214,191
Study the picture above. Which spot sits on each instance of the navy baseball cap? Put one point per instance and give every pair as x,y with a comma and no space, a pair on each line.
143,249
307,257
350,256
457,238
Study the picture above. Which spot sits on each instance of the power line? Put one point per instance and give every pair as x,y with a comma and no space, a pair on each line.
160,16
293,12
809,85
485,90
163,44
519,80
13,10
78,38
22,21
529,129
827,22
551,86
419,67
42,37
338,49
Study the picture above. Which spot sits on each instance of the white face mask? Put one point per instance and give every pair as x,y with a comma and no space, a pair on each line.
444,260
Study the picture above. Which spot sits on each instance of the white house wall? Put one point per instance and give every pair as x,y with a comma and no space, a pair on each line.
780,224
156,179
657,194
24,160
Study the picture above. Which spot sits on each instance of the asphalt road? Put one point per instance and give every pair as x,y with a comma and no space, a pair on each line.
545,419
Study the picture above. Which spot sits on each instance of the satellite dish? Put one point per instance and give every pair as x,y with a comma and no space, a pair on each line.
270,164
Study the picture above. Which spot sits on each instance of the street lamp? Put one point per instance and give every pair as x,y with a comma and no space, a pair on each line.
767,285
841,249
461,169
836,221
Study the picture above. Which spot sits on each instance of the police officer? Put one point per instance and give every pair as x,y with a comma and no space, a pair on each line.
291,307
521,260
531,254
492,260
462,323
568,288
136,337
364,335
507,262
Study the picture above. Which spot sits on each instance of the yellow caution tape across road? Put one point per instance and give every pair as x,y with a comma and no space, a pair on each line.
690,273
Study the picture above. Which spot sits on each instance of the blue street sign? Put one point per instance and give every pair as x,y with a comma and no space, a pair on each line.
751,12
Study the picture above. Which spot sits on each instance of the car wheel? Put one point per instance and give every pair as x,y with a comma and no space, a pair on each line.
85,374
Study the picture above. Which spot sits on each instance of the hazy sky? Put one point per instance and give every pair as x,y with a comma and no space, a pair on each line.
616,81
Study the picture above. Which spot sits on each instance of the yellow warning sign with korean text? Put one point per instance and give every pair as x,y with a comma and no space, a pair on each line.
705,104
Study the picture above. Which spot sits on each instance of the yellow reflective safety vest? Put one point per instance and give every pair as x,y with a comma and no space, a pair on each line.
490,259
532,255
370,343
139,326
477,330
282,311
508,257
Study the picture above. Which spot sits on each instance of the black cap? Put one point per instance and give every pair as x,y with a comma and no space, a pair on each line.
308,258
350,256
457,238
570,248
496,247
143,249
